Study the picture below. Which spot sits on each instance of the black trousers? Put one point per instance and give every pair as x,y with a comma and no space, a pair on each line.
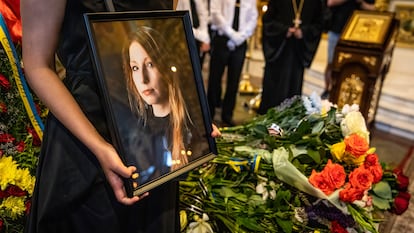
222,57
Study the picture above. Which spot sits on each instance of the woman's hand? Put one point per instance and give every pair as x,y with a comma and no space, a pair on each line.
115,171
216,132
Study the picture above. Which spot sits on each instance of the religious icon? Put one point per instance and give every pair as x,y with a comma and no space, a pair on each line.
150,78
367,27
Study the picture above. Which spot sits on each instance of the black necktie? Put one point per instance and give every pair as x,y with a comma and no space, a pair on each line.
194,15
236,16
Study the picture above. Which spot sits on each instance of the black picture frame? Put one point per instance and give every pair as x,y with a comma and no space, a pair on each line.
141,140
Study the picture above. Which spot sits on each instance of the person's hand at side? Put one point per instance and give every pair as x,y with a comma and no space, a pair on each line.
205,47
237,37
231,45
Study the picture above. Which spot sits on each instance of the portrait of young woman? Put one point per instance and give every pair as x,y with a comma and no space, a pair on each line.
153,97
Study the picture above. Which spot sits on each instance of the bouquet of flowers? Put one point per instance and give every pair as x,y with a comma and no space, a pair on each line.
305,166
19,131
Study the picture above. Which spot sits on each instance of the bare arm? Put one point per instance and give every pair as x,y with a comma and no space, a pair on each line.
331,3
41,25
363,5
366,6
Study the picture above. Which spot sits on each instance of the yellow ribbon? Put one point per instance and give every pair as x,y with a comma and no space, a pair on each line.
22,87
257,163
236,164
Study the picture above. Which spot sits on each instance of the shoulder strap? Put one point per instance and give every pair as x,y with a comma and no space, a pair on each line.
110,5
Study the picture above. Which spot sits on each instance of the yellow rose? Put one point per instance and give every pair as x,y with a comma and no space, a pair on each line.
350,159
338,150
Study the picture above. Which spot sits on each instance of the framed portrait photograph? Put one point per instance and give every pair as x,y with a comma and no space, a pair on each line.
149,75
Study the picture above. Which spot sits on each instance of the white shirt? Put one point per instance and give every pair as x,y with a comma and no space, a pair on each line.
222,14
200,33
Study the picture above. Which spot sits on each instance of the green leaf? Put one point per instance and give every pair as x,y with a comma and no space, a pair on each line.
382,189
256,200
304,127
227,192
317,128
304,159
250,223
380,203
286,225
314,155
260,130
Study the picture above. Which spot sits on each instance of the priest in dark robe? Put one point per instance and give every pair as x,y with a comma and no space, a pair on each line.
291,33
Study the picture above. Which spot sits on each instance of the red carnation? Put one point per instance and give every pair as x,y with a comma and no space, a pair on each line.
4,82
16,191
4,194
20,146
36,139
337,228
5,138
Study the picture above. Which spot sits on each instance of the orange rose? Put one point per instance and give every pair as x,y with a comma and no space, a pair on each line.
372,164
336,173
321,182
376,172
350,194
356,145
361,178
371,160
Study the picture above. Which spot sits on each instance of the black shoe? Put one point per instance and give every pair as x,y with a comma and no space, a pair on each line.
325,94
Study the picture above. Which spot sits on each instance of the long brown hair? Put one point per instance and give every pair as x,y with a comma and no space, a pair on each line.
169,68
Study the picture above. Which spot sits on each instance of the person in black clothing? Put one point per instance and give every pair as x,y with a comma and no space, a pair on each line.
291,33
341,11
79,185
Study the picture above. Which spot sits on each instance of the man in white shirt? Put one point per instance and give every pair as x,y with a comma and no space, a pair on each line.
232,22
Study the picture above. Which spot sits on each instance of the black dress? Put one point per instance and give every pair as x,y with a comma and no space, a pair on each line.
286,58
71,192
